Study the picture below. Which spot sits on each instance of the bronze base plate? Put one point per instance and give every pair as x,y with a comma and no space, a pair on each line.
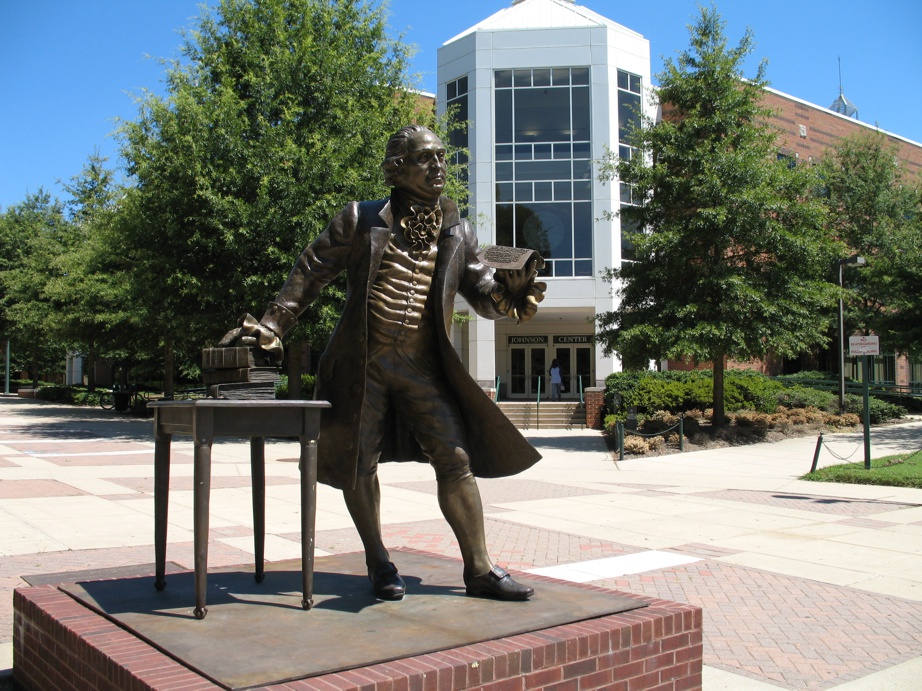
257,634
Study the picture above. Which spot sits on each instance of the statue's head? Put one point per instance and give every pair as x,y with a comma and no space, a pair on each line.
414,162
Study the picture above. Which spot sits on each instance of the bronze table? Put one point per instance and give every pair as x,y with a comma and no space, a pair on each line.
205,419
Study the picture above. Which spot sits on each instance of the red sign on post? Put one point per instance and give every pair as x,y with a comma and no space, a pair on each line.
863,345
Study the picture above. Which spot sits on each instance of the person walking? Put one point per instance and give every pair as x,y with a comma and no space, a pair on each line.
556,380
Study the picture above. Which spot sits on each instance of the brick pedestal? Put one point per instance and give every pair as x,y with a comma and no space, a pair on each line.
595,402
61,644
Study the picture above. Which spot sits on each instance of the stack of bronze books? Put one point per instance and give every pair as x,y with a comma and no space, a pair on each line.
238,373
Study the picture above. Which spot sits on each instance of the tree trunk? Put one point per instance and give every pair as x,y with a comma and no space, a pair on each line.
719,419
293,361
168,369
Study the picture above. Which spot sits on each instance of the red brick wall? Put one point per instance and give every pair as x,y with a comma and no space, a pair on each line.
60,644
595,402
902,370
823,130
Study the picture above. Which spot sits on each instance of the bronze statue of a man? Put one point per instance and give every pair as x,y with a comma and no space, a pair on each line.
397,387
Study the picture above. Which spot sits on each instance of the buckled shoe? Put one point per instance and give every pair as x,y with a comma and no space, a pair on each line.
498,584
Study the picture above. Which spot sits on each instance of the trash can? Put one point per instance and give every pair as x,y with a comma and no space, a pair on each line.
122,401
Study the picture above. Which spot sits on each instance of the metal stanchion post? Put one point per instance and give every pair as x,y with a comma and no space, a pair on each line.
816,454
867,413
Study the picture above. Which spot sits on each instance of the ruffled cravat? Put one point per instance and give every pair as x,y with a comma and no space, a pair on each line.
422,226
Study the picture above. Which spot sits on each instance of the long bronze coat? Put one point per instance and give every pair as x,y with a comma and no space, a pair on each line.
354,242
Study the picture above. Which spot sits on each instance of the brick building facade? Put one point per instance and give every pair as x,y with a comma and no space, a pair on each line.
807,134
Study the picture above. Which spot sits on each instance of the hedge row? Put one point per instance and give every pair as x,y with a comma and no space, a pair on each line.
680,391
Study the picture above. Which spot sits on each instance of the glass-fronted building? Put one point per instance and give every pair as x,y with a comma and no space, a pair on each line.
546,86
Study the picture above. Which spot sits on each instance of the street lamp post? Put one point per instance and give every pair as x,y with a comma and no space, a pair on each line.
858,261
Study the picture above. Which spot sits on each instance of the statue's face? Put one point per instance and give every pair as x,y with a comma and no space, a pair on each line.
422,174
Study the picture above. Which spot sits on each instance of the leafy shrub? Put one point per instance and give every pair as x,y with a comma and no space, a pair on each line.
878,410
805,397
752,391
694,418
656,444
81,396
843,420
307,386
753,419
611,421
58,393
678,391
699,393
635,445
660,421
86,398
809,375
653,393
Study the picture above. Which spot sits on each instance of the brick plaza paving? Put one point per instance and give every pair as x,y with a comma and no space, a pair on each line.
803,585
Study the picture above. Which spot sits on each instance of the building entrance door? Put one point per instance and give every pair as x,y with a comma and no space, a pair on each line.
528,372
575,368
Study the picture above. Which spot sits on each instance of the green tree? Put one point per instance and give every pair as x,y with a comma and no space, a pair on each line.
731,260
900,325
876,211
275,118
33,235
90,292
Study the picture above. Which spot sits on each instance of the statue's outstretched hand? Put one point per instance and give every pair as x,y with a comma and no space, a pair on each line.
251,333
519,292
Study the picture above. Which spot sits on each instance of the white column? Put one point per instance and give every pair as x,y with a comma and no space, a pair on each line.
482,351
604,365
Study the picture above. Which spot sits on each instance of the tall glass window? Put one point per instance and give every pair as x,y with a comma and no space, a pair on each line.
629,93
915,376
543,167
628,104
457,136
883,369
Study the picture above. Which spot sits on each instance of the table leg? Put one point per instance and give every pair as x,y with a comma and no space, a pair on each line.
161,500
203,437
308,519
258,475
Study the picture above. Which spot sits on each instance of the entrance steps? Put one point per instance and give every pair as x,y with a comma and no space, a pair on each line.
546,415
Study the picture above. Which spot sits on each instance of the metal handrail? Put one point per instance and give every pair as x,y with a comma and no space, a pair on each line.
538,406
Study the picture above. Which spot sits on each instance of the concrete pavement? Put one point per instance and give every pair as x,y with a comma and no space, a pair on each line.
803,585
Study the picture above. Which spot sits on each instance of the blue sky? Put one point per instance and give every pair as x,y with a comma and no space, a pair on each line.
69,67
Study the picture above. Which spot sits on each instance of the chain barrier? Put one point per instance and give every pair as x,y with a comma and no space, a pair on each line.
621,432
652,434
820,443
842,458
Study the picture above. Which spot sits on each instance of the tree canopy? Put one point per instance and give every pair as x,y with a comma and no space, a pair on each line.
875,208
276,116
731,256
33,234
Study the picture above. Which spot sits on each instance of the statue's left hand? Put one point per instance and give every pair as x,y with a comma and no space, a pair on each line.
251,333
519,292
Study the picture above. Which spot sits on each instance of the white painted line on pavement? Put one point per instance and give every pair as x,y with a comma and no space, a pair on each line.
612,567
56,441
39,454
